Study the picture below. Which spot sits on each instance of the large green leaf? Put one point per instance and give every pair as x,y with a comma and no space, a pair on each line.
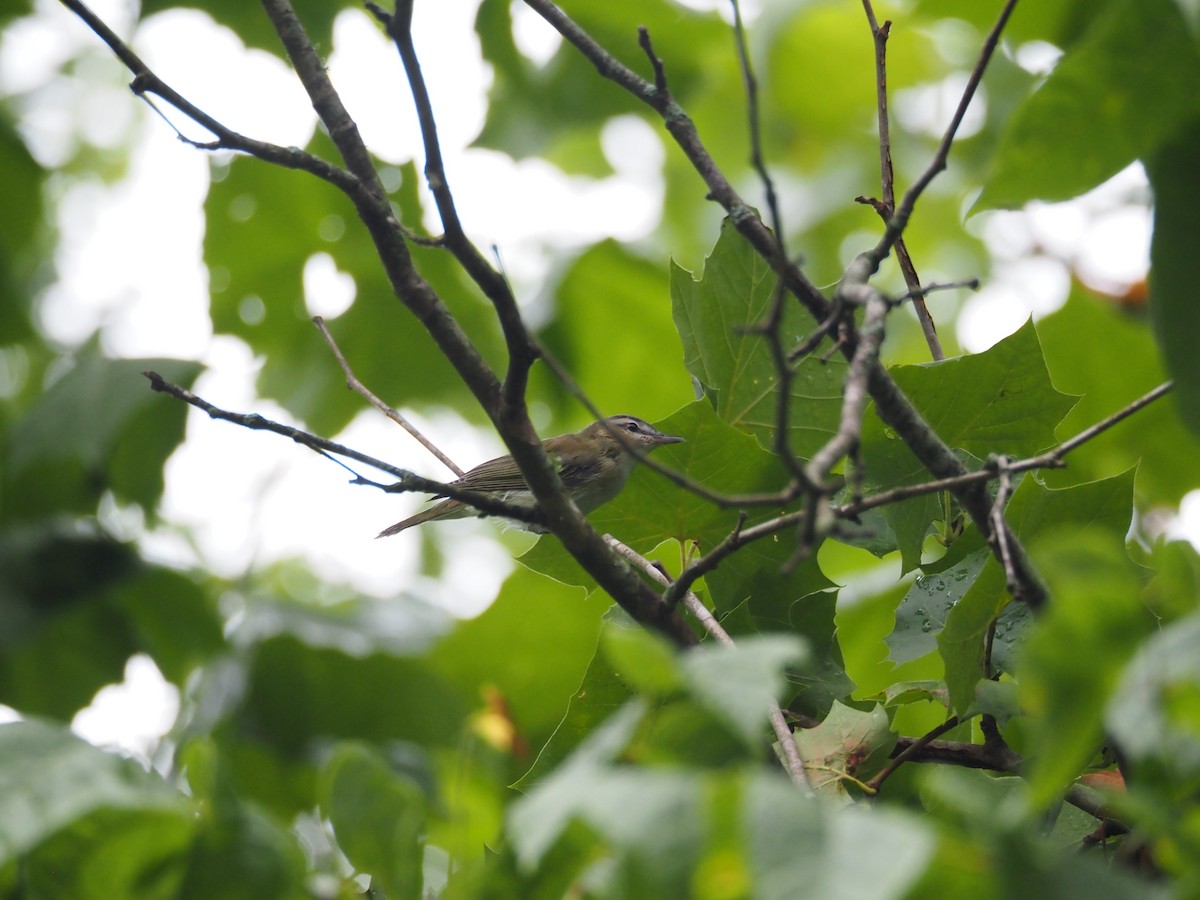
713,314
378,815
797,848
1173,174
738,683
998,401
317,673
50,778
1034,512
1095,349
1096,604
1105,105
258,295
532,646
99,427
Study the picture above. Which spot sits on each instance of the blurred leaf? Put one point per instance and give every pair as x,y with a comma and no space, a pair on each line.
601,693
739,683
401,626
532,646
538,818
713,313
651,815
543,109
50,779
1110,357
644,661
99,427
298,692
797,848
849,744
64,636
20,231
1154,714
1172,174
251,24
1096,605
1101,108
261,296
378,816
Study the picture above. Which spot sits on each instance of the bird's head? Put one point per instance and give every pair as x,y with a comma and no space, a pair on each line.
629,431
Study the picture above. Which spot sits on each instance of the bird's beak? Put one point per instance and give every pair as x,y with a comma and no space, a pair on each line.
667,439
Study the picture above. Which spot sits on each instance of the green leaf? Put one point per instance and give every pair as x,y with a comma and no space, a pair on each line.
850,745
537,820
1155,711
1096,349
1096,605
65,634
532,646
739,683
801,849
378,816
1101,108
998,401
1032,512
612,331
922,612
99,427
713,313
644,661
50,779
1172,174
601,693
298,692
258,295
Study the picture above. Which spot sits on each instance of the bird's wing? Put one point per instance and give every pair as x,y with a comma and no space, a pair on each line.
494,475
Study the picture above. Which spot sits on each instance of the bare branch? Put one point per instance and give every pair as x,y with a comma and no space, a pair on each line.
522,349
880,33
903,213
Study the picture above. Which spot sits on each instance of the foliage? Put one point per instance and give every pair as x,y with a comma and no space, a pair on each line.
332,744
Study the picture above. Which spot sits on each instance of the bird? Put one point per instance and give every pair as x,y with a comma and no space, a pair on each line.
594,465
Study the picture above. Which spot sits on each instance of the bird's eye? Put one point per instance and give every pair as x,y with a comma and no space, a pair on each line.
632,427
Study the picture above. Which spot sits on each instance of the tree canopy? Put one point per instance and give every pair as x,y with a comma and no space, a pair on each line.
897,620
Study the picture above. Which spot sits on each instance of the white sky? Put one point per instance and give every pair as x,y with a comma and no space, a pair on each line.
249,498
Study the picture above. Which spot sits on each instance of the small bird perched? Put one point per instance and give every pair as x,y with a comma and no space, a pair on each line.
593,464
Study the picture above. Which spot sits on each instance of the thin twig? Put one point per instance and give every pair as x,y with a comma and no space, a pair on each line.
361,389
408,482
145,81
904,211
793,762
885,208
757,160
